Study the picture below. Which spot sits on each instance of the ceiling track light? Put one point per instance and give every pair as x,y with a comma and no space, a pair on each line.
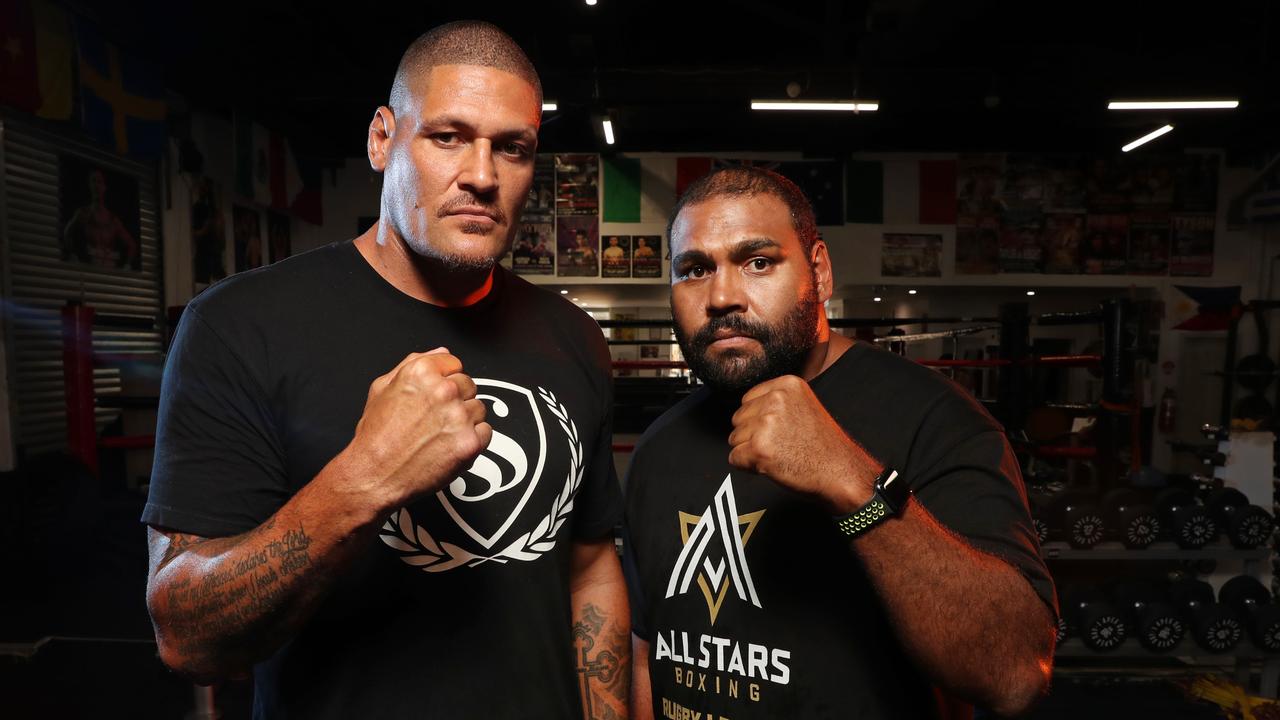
1173,104
853,106
1147,138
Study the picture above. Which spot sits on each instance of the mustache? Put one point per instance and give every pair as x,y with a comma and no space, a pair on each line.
735,323
469,200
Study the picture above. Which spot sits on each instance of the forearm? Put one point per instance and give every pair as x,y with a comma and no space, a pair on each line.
641,688
602,637
221,604
968,619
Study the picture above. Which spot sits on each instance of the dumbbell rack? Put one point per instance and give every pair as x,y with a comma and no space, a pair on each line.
1243,654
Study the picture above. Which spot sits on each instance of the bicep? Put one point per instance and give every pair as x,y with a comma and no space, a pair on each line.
594,562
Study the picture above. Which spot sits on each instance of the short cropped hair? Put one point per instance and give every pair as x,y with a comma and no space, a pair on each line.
747,181
466,42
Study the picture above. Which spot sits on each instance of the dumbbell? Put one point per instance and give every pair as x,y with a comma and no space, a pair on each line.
1153,620
1215,627
1216,433
1078,516
1251,599
1094,618
1041,504
1246,525
1187,522
1207,454
1135,522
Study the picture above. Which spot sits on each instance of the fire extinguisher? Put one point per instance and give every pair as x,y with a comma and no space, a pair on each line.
1168,411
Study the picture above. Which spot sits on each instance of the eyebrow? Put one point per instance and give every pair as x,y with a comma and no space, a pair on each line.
528,134
738,252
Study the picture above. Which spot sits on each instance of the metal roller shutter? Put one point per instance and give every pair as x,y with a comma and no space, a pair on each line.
38,283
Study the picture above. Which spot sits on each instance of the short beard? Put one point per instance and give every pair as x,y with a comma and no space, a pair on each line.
453,261
786,346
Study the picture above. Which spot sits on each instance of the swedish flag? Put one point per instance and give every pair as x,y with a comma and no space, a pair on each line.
121,98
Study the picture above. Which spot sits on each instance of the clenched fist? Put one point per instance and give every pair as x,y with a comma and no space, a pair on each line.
422,424
782,431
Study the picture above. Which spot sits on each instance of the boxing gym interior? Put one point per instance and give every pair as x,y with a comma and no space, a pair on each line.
1072,211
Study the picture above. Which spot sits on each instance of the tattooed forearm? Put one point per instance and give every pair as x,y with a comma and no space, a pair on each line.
229,601
602,651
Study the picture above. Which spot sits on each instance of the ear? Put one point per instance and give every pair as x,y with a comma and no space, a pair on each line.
381,128
822,270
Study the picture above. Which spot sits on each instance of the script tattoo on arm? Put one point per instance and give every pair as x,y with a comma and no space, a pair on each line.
228,601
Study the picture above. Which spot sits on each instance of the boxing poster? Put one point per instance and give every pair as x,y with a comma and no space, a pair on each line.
1064,190
578,247
247,234
903,255
1192,246
279,236
541,205
646,256
979,185
1062,235
577,185
977,245
1020,247
100,216
208,234
1108,185
1149,243
533,252
1196,184
615,257
1106,246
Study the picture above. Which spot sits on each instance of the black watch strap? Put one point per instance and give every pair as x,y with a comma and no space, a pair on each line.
890,495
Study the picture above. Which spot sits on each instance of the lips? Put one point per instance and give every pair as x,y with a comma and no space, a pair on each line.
475,212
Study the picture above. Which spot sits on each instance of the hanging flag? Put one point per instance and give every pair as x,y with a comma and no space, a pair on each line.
53,57
938,192
689,169
283,178
1214,307
121,98
621,189
19,70
307,203
821,181
864,191
253,160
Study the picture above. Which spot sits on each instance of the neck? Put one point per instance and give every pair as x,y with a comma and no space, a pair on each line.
829,348
419,277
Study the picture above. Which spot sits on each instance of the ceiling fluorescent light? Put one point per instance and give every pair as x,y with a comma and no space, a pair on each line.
820,105
1147,138
1173,105
608,131
549,106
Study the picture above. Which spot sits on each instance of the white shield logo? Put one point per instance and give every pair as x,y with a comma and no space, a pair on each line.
503,466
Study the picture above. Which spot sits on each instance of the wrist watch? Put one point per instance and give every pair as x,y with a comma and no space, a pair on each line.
889,496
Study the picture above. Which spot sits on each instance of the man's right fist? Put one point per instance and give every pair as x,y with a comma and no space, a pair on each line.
421,426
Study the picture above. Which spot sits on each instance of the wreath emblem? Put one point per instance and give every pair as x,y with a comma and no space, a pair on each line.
419,549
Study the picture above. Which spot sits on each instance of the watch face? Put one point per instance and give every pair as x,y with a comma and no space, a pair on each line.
894,489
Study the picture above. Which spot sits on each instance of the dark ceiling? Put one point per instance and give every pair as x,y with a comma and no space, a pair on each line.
951,75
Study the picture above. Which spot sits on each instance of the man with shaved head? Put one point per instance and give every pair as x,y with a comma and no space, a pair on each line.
383,480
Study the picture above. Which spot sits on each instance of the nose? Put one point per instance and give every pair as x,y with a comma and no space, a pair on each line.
726,293
479,175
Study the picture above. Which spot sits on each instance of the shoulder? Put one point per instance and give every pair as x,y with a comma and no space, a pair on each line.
286,286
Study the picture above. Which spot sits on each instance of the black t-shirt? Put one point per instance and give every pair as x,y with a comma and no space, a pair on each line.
463,609
754,604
